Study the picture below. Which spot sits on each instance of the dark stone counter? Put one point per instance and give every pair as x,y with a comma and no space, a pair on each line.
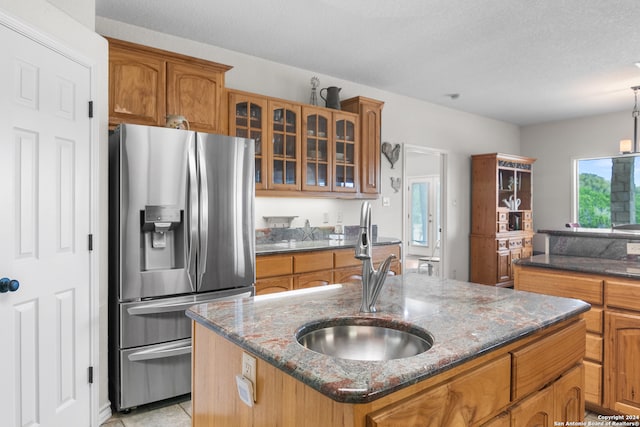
466,320
610,267
316,245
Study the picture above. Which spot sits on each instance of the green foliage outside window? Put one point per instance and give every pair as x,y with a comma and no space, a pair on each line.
594,201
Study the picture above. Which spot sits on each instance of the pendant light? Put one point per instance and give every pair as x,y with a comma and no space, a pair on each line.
626,145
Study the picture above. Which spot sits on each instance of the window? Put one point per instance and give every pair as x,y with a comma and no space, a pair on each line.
606,191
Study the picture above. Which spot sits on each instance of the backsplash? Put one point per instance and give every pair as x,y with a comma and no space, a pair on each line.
301,234
592,245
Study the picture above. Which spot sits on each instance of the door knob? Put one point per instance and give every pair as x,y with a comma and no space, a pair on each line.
8,285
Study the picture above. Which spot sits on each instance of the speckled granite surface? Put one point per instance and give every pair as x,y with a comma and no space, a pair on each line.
315,245
611,267
592,243
465,319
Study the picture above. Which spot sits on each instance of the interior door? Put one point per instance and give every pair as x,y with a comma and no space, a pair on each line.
44,227
424,215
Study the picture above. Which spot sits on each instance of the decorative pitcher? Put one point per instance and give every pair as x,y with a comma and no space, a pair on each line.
177,122
333,97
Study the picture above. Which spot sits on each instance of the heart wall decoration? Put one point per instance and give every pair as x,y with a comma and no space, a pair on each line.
392,153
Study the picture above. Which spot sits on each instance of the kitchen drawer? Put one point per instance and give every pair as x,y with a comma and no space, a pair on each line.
503,216
593,348
345,258
593,382
527,225
273,265
527,242
502,227
502,244
380,253
312,261
570,285
623,294
546,359
594,320
471,397
527,215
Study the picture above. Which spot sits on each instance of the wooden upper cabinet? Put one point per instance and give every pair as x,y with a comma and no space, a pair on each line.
248,118
346,153
317,159
370,114
283,143
136,87
194,91
146,84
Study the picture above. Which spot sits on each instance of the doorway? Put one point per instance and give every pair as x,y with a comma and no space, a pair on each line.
423,215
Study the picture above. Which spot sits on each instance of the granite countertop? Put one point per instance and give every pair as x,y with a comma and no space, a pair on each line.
610,267
465,320
315,245
595,232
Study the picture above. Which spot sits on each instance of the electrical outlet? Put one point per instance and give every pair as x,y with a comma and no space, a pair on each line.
339,220
249,370
325,217
633,248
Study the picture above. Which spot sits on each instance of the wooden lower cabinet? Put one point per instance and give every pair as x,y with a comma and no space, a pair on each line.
612,371
272,285
297,270
588,288
558,404
622,364
309,280
478,395
480,392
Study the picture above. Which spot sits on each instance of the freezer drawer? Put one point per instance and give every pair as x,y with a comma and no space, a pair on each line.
156,372
161,320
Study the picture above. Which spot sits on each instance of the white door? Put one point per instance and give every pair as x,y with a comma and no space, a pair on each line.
423,218
44,227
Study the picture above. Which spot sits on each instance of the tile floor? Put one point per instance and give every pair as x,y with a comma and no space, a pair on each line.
171,413
177,413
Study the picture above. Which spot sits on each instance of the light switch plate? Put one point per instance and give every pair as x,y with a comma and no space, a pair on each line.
633,248
386,201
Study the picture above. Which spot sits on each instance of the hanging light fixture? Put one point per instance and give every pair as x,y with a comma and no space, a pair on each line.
626,145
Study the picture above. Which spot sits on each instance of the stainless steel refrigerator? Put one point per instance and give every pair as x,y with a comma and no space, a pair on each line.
181,232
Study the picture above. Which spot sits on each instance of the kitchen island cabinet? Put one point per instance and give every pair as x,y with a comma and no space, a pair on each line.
492,362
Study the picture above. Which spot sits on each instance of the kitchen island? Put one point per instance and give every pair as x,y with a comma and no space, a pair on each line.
499,356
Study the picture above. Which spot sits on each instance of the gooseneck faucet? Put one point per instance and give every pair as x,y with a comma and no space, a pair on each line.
372,280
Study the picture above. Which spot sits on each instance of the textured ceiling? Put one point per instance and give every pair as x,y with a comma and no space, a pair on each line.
520,61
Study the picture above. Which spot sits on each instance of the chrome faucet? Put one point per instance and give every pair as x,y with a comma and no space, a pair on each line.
372,280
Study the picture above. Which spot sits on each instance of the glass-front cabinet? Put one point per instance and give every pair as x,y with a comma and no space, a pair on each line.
514,195
284,147
316,159
304,148
346,152
248,119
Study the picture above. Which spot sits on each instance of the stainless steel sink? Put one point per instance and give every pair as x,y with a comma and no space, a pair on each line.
364,339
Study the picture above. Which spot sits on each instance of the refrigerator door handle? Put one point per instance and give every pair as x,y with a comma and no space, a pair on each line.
191,236
158,353
204,213
179,306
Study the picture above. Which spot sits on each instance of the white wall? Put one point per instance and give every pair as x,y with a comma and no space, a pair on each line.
75,31
556,145
404,120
